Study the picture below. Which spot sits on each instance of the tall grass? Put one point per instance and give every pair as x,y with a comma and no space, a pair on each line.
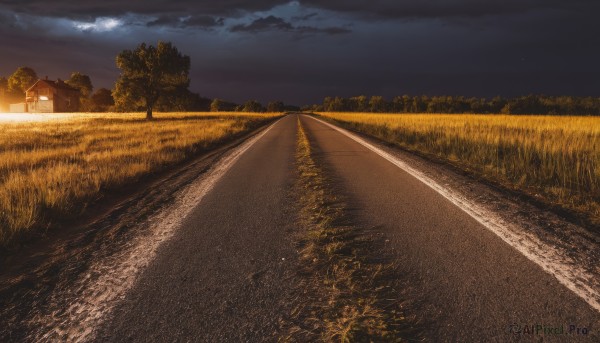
52,168
555,157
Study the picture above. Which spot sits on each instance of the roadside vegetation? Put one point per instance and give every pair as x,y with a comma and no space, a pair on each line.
349,290
554,158
51,170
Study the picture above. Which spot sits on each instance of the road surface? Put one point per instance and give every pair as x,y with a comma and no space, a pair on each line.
472,285
228,273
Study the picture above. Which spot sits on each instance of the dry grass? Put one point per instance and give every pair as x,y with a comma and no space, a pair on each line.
554,157
51,168
349,294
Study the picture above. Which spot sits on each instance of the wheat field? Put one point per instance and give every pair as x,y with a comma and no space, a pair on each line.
553,157
52,166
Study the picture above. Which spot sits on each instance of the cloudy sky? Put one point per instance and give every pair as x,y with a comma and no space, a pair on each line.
300,51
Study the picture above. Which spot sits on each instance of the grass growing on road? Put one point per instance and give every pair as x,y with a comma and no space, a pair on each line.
52,168
555,157
349,293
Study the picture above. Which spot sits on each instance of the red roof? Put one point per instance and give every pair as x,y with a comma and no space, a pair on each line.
55,85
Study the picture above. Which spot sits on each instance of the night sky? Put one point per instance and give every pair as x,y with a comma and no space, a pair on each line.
301,51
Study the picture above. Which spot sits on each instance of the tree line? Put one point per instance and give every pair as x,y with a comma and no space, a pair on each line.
157,78
530,104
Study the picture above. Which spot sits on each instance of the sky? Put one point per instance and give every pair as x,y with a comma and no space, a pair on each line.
302,51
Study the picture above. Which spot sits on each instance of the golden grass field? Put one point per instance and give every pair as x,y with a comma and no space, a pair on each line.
555,157
53,165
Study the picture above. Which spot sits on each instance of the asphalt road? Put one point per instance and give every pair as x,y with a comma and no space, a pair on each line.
227,274
471,286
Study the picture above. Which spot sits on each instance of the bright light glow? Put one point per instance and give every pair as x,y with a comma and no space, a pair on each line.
34,117
43,98
100,25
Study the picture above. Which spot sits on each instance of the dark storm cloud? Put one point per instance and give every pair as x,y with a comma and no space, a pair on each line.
272,23
187,22
306,17
8,20
448,8
384,8
301,51
203,21
92,9
264,24
165,20
326,30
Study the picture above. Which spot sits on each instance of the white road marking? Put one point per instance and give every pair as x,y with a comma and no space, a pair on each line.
554,260
108,280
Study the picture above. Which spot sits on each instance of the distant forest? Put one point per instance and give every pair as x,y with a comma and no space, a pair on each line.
531,104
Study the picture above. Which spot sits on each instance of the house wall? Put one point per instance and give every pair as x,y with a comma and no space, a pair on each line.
59,100
18,108
66,101
41,106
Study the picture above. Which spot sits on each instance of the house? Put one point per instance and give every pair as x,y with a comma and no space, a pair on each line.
47,96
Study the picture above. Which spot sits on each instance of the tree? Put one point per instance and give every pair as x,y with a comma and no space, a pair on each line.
102,100
149,73
180,100
377,104
497,104
84,84
291,108
252,106
197,103
81,82
336,104
220,105
216,105
359,103
21,80
275,106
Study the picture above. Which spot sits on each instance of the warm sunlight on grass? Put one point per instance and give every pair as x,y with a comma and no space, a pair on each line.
52,165
557,157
